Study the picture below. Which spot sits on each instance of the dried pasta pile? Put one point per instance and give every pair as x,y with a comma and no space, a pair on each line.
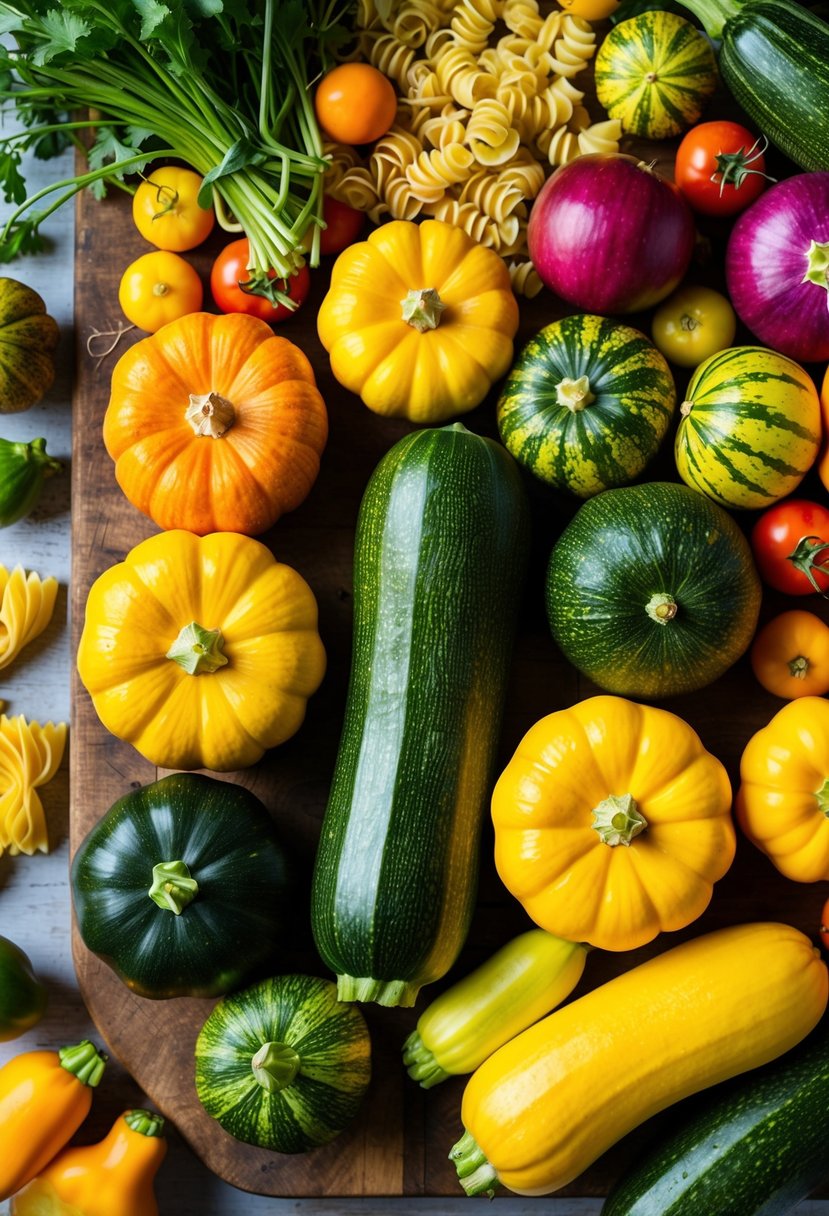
479,126
26,605
29,757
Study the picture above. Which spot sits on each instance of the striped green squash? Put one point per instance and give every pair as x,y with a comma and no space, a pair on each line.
652,591
750,427
654,73
28,337
587,404
283,1065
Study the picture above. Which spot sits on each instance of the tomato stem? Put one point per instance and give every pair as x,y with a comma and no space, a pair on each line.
804,558
799,667
732,167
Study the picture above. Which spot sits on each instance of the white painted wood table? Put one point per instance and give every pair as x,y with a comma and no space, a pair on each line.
34,891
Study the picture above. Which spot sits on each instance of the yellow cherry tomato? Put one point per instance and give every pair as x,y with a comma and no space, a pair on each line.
693,324
590,10
158,288
166,211
790,655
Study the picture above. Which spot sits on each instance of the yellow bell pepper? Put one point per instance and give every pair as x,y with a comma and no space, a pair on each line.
111,1178
552,1100
612,823
44,1098
201,651
419,320
783,801
520,983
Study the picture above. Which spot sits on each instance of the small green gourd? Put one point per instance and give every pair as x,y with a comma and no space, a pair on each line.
23,469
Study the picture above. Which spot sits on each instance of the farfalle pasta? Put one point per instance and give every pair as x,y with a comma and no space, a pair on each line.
30,755
487,108
26,605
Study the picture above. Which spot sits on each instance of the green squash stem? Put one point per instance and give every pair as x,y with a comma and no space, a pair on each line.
84,1061
822,796
391,993
575,395
198,650
475,1174
661,607
173,887
275,1066
422,308
145,1122
618,820
714,14
421,1064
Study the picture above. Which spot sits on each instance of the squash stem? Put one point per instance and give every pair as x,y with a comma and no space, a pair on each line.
145,1122
475,1173
422,308
198,650
35,451
822,796
618,820
714,14
421,1064
173,887
391,993
275,1066
210,414
661,607
84,1061
575,395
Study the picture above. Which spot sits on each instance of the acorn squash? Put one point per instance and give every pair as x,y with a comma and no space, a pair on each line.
28,337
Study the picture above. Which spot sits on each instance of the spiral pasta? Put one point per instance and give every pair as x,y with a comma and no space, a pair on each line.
26,606
30,755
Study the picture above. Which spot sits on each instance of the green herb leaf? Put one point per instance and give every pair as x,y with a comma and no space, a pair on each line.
63,30
152,15
21,238
11,179
238,156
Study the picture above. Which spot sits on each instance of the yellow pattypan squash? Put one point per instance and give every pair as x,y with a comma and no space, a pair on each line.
419,320
783,802
201,651
612,823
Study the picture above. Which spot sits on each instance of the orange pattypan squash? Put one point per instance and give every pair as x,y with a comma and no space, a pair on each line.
215,424
612,823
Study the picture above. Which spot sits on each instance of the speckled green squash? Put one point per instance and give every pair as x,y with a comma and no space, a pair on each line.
750,428
28,336
284,1065
652,590
756,1150
654,73
587,404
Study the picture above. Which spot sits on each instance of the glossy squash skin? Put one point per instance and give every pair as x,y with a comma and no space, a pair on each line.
221,892
654,73
750,428
439,557
22,996
587,404
28,337
548,1103
652,590
284,1065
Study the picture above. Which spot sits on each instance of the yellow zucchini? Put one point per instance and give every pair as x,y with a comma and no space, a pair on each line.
520,983
542,1108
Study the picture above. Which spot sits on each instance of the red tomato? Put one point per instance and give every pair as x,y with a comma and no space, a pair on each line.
824,926
231,269
790,543
343,225
720,168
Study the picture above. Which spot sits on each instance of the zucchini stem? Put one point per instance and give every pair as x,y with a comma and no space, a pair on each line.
84,1061
391,993
421,1063
714,14
475,1173
145,1122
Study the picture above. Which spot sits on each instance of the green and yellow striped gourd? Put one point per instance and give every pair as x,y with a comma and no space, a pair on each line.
587,404
750,427
654,73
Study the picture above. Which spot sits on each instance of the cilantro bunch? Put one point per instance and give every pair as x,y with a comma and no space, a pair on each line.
223,85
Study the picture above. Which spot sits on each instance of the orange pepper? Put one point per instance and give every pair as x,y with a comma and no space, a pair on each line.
44,1098
111,1178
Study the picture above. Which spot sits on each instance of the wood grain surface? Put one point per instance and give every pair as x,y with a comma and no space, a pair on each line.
399,1145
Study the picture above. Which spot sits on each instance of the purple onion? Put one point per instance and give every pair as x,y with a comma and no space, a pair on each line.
777,267
610,235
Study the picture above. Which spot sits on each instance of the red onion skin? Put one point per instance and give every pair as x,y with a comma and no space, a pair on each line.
765,263
609,235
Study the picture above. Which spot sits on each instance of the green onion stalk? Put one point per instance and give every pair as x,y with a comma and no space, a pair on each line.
222,85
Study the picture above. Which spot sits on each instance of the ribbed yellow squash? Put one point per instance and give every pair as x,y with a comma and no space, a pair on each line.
547,1104
419,320
201,651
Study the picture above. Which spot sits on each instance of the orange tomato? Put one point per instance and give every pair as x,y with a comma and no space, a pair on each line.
166,211
790,655
158,288
823,459
355,104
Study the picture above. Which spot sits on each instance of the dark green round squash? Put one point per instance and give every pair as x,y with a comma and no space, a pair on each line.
28,337
652,590
182,887
586,404
284,1065
22,996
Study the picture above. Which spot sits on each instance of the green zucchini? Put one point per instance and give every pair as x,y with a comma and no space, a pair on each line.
439,556
756,1150
775,60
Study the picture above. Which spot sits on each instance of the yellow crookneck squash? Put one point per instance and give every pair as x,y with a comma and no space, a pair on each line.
612,823
111,1178
201,651
419,320
542,1108
783,801
215,424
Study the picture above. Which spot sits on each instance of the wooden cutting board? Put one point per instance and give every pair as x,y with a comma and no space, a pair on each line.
399,1144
